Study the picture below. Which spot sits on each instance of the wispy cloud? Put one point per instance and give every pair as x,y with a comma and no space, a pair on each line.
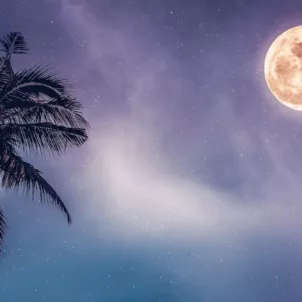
132,161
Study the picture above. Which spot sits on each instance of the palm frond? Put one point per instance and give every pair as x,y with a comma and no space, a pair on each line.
33,82
3,227
65,111
6,72
18,174
14,43
36,113
44,137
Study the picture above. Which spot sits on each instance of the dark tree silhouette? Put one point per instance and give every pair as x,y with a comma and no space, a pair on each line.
37,113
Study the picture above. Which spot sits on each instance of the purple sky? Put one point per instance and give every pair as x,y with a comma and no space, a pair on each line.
189,188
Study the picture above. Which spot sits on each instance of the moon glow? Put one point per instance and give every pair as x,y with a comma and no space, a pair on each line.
283,68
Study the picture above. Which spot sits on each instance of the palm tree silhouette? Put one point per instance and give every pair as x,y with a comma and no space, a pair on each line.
37,113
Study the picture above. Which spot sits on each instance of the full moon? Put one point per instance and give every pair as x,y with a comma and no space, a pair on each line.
283,68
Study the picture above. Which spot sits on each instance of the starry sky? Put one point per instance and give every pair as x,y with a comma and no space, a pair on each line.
189,188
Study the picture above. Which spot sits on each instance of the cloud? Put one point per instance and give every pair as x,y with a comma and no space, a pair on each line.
131,163
165,159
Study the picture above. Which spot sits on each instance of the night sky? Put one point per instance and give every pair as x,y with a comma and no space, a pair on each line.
190,186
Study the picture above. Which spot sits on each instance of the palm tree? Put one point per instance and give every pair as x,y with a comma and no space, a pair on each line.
37,113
